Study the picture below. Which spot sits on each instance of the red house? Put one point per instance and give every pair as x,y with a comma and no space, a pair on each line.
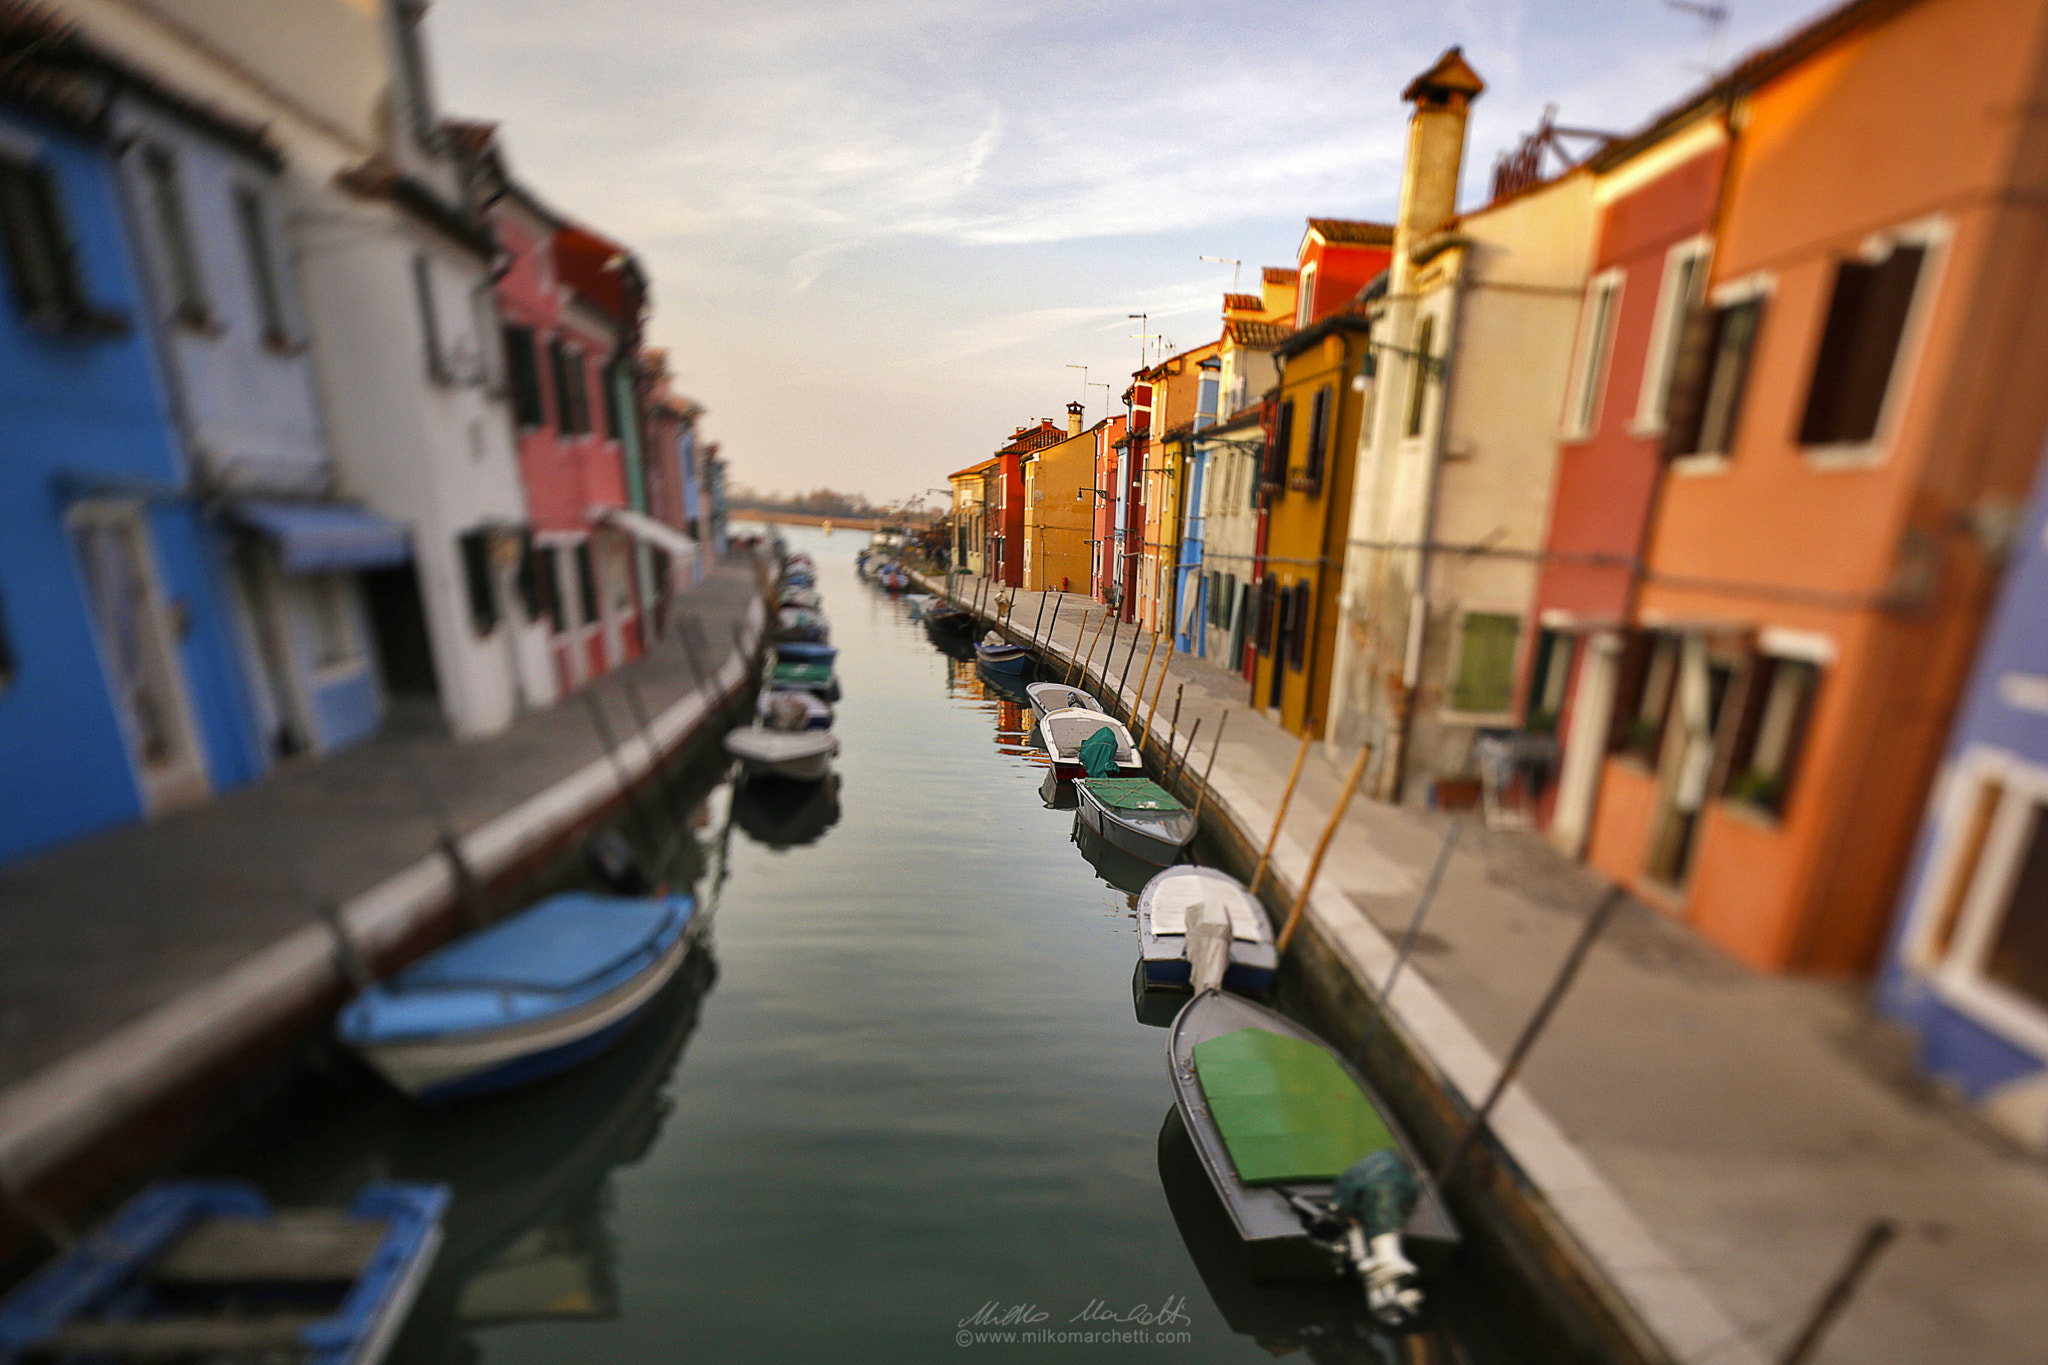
570,305
1337,258
1656,195
1004,499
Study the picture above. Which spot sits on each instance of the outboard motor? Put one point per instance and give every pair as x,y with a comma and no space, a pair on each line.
617,868
1375,1197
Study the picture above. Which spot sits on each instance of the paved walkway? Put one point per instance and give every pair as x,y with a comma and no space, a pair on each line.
97,933
1716,1140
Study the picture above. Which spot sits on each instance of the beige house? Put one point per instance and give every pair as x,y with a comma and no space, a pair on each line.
970,517
1451,503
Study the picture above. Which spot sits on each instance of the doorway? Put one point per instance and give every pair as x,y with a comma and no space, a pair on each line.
405,651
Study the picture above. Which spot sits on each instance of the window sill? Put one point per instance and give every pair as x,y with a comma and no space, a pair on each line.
1749,813
1493,720
1861,455
1699,466
1312,487
1647,428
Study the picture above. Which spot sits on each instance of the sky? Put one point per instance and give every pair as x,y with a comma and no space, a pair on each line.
881,231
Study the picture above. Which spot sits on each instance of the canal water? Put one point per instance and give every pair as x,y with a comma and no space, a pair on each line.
900,1105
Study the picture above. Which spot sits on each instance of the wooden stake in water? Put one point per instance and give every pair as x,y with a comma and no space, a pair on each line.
1039,619
1138,697
1595,922
1315,862
1172,726
1117,699
1077,662
1193,731
1280,816
1202,795
1054,624
1152,711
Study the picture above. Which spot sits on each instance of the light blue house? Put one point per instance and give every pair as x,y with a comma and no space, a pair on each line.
206,209
1968,965
121,687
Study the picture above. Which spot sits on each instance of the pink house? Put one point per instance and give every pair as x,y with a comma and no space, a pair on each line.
563,337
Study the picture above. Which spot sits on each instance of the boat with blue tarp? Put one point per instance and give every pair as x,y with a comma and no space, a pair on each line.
527,997
209,1270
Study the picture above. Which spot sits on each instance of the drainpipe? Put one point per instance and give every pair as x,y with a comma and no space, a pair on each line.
1418,602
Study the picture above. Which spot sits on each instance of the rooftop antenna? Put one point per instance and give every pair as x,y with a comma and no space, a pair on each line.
1084,381
1715,17
1143,334
1231,261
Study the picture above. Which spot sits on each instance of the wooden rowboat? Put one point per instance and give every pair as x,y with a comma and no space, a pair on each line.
1163,910
1136,815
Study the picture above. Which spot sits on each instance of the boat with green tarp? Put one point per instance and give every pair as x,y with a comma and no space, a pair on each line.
1136,815
792,676
1317,1177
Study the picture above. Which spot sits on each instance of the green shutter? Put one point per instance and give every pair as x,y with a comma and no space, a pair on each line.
1486,663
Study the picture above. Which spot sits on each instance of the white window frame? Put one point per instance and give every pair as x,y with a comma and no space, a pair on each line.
1305,296
1932,234
1665,328
1599,312
1959,976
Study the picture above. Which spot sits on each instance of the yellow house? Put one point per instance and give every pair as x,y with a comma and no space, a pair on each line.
1308,478
1185,392
969,517
1059,513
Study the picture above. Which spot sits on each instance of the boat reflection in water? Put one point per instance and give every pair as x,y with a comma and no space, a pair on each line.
1331,1323
528,1233
1121,870
1154,1008
1057,793
784,815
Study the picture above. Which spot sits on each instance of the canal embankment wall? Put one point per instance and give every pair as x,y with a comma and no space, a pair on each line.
158,978
1692,1150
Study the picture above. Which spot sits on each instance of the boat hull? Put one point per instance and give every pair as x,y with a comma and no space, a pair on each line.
440,1069
1162,937
1278,1245
1008,659
792,755
1156,837
1047,697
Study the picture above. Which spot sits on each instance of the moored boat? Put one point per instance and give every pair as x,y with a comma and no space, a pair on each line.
791,755
790,676
805,651
527,997
1163,912
949,620
209,1269
998,655
1318,1179
800,623
1136,815
791,709
801,598
1065,733
1052,696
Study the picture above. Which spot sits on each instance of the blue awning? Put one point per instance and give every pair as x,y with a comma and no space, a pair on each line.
326,535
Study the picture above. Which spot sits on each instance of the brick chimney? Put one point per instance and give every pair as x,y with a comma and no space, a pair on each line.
1073,419
1442,97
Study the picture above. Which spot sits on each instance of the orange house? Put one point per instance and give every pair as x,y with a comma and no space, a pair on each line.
1855,412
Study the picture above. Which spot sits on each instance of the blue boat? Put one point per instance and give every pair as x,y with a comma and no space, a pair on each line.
527,997
806,651
997,655
208,1269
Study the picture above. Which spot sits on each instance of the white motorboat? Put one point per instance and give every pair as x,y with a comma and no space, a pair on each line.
792,755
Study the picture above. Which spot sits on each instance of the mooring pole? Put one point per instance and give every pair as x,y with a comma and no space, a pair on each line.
1152,711
1125,676
1595,922
1280,816
469,892
648,828
684,629
1172,726
1039,619
1315,862
1052,625
1108,655
1193,731
1202,795
1876,1237
1436,876
1138,697
1078,637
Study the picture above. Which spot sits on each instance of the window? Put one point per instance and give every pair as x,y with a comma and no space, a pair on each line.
1685,276
618,411
331,602
1776,707
536,580
1205,400
1283,439
1485,678
586,583
1227,607
1708,377
475,548
255,226
1859,347
1312,457
40,261
430,325
2018,955
1305,298
1603,301
1649,678
174,235
1549,672
1418,375
572,392
1300,608
1268,613
522,368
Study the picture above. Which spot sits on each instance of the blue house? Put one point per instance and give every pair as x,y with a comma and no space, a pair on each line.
1968,963
121,688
